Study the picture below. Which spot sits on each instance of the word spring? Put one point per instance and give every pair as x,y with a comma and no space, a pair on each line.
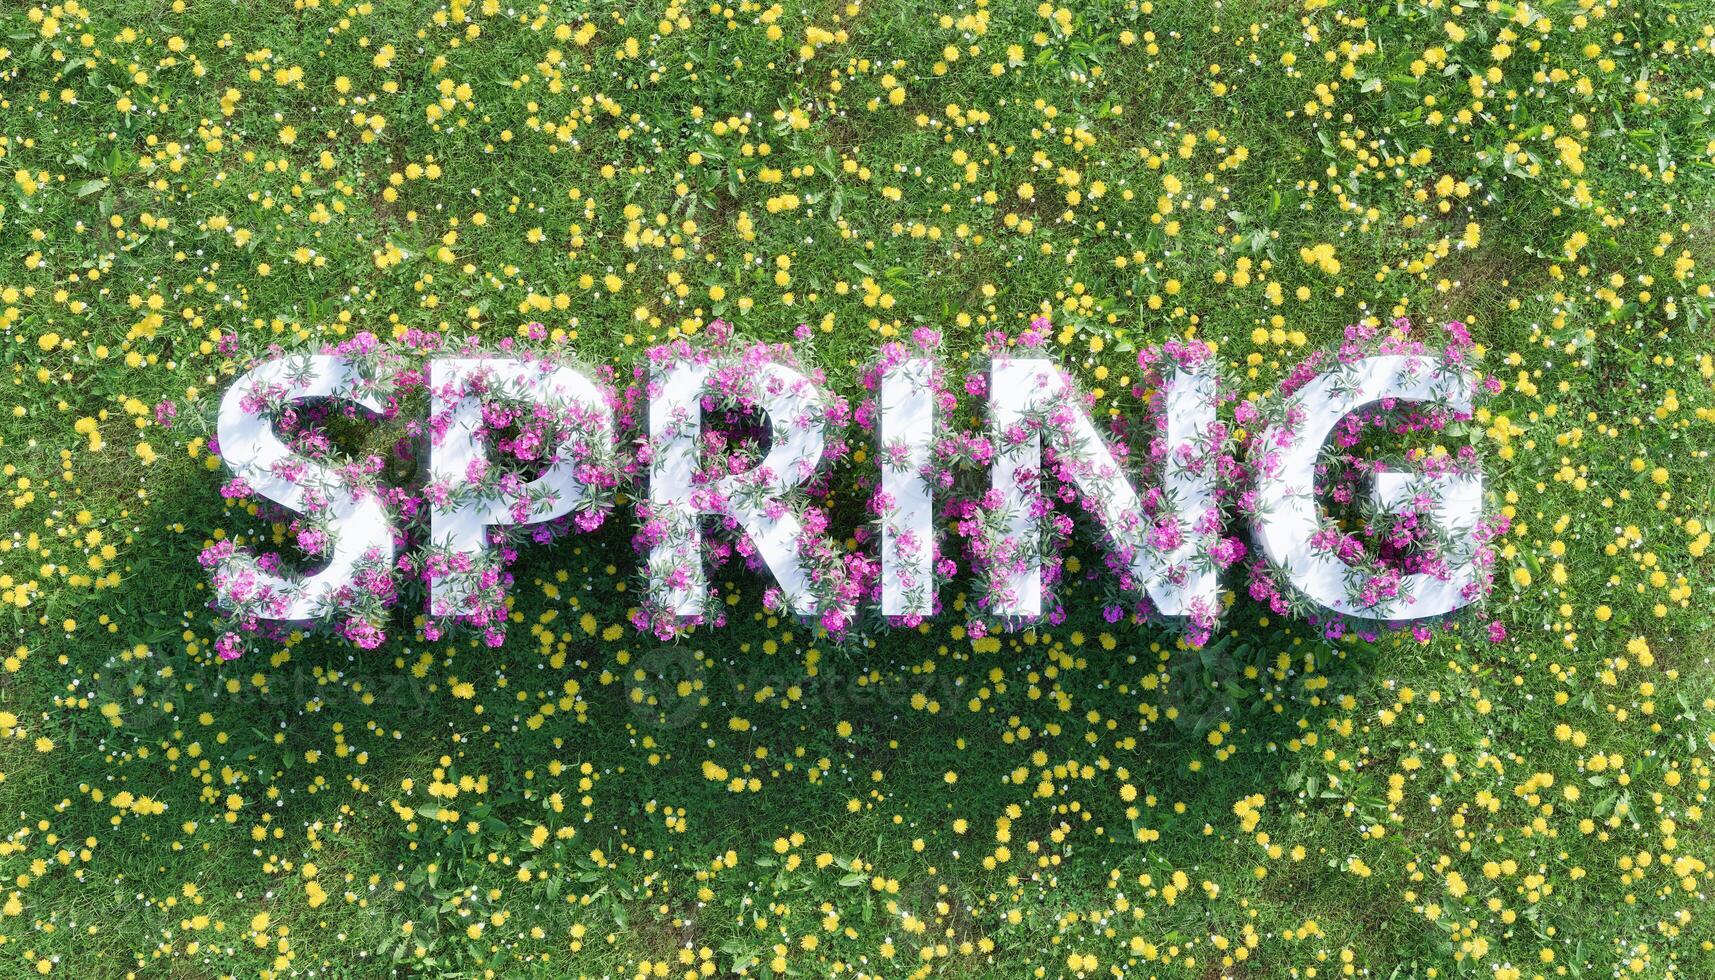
723,447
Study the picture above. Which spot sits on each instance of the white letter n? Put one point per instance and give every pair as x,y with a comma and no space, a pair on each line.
1170,558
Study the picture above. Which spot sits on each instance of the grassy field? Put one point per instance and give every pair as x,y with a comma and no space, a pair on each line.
180,178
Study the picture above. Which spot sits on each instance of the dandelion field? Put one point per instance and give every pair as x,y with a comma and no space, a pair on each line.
187,182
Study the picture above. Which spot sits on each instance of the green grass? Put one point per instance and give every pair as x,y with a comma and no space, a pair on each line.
1595,134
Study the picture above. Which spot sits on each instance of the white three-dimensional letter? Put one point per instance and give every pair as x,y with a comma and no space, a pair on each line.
460,525
1290,517
758,500
1177,579
907,530
249,446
